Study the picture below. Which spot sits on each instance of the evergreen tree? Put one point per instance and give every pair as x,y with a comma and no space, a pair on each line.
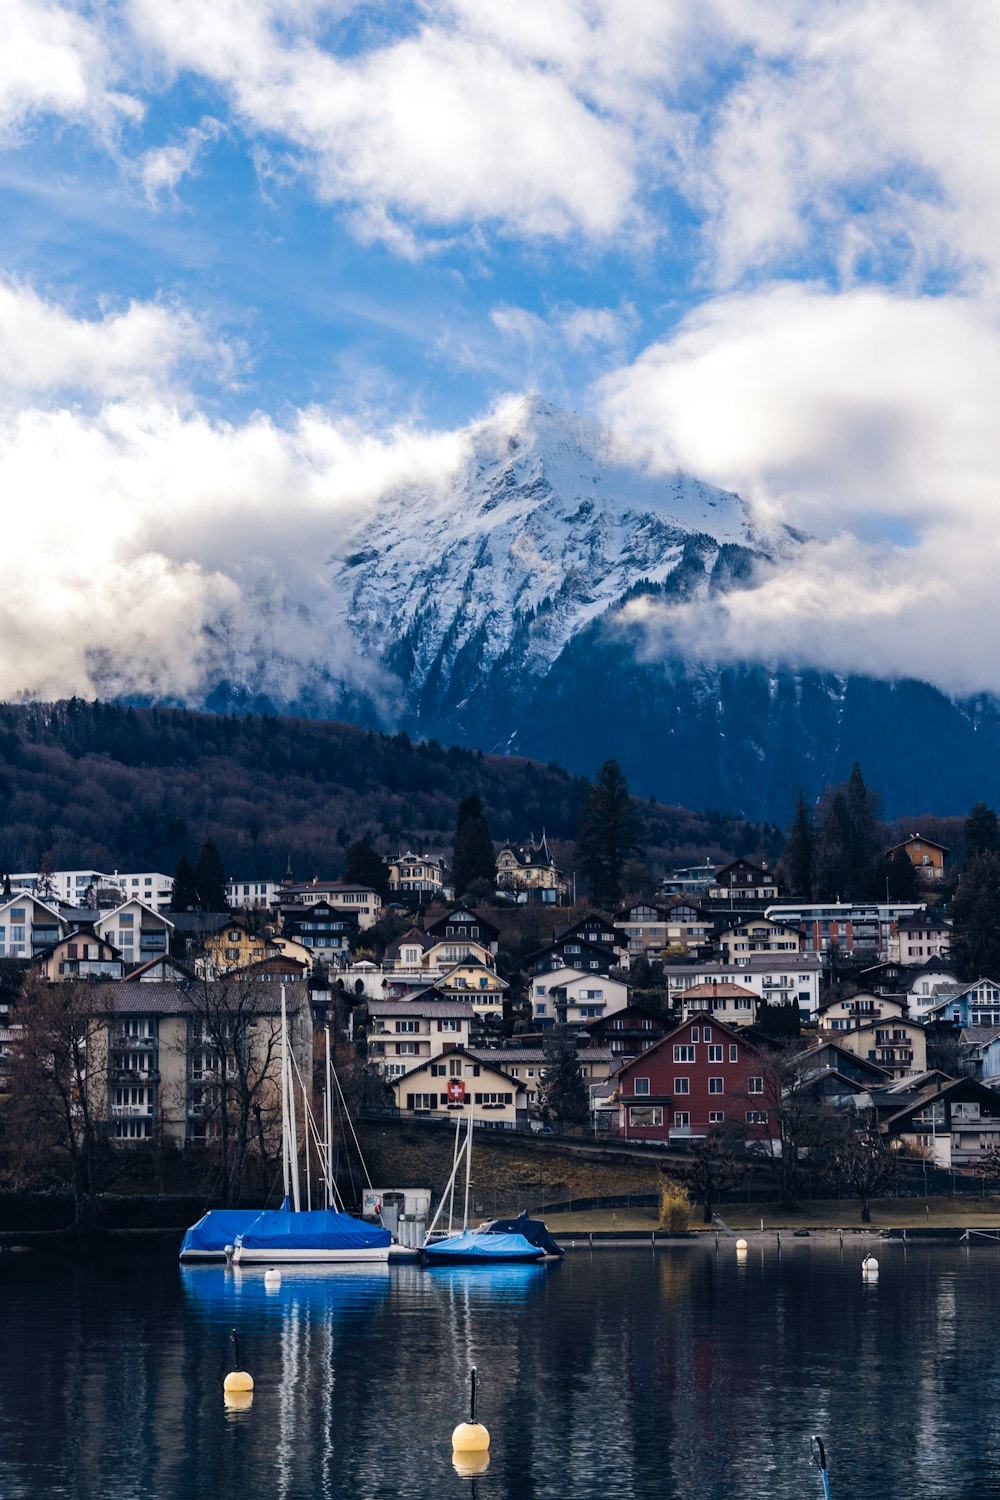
975,933
799,857
210,879
365,866
562,1091
610,832
184,896
982,832
473,860
901,881
850,843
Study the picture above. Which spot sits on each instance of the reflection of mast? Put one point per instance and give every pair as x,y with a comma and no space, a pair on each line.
289,1142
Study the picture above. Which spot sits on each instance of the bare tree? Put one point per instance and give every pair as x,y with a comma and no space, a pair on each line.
58,1077
788,1128
714,1164
234,1070
863,1163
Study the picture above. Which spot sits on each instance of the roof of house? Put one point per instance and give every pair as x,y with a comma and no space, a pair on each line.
921,838
138,997
724,991
432,1009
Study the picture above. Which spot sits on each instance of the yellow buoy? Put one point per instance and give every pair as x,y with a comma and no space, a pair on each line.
470,1463
237,1380
238,1400
470,1436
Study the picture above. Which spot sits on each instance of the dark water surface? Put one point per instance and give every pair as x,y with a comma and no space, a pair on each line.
678,1374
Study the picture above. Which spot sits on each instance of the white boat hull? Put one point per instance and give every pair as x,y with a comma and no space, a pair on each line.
304,1256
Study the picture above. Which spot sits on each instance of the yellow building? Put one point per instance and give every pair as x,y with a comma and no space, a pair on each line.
927,857
530,873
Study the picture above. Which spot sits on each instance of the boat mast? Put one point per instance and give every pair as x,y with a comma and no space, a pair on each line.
329,1124
454,1171
468,1163
288,1099
285,1174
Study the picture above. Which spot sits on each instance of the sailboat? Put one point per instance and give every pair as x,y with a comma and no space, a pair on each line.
476,1246
291,1234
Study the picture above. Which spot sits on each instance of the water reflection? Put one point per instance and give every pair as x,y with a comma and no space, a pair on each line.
681,1374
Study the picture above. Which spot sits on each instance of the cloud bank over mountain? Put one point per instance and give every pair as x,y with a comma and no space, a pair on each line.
269,260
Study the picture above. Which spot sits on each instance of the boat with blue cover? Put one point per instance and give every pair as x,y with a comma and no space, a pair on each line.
214,1231
480,1247
279,1237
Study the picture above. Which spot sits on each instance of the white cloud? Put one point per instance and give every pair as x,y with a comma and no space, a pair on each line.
833,408
149,550
862,411
55,60
43,349
162,167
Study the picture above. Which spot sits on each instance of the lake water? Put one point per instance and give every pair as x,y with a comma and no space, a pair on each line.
678,1373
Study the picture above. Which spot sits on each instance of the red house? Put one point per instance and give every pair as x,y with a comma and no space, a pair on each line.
700,1075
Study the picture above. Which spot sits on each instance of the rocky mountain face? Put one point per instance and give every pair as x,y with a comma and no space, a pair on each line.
493,610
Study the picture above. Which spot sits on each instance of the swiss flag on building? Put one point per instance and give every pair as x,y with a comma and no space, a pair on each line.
456,1091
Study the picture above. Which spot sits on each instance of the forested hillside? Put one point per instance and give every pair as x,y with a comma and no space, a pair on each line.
99,785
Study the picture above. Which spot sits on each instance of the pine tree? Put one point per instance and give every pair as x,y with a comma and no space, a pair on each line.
562,1091
610,832
799,857
184,895
210,879
975,933
850,843
982,832
473,860
365,866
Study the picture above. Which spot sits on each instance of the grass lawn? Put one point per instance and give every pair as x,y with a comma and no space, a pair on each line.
887,1213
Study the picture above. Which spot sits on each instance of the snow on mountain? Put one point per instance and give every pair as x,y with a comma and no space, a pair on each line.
547,518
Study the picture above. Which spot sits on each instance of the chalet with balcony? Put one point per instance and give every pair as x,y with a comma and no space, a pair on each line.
81,954
733,1003
28,926
925,855
743,881
572,953
357,901
527,872
574,997
139,932
848,1015
424,875
465,925
954,1122
897,1046
701,1075
757,936
401,1033
326,931
918,937
626,1032
455,1082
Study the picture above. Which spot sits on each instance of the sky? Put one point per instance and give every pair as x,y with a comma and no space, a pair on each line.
261,258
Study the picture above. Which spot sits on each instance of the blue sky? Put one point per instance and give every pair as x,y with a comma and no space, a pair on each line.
759,240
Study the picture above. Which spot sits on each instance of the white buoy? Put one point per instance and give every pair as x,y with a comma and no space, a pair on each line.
237,1381
272,1278
741,1247
869,1267
470,1436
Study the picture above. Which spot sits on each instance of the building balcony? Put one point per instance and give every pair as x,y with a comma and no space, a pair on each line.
132,1111
135,1075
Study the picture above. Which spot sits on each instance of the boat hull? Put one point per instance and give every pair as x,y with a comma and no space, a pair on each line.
303,1256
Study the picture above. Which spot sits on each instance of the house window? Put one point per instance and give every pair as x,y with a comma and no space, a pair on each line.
708,1037
755,1085
695,1034
406,1025
716,1116
407,1049
715,1053
438,1070
646,1116
682,1085
756,1117
682,1119
716,1085
733,1052
683,1054
640,1086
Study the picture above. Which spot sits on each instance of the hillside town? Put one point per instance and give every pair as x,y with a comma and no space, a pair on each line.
717,1016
